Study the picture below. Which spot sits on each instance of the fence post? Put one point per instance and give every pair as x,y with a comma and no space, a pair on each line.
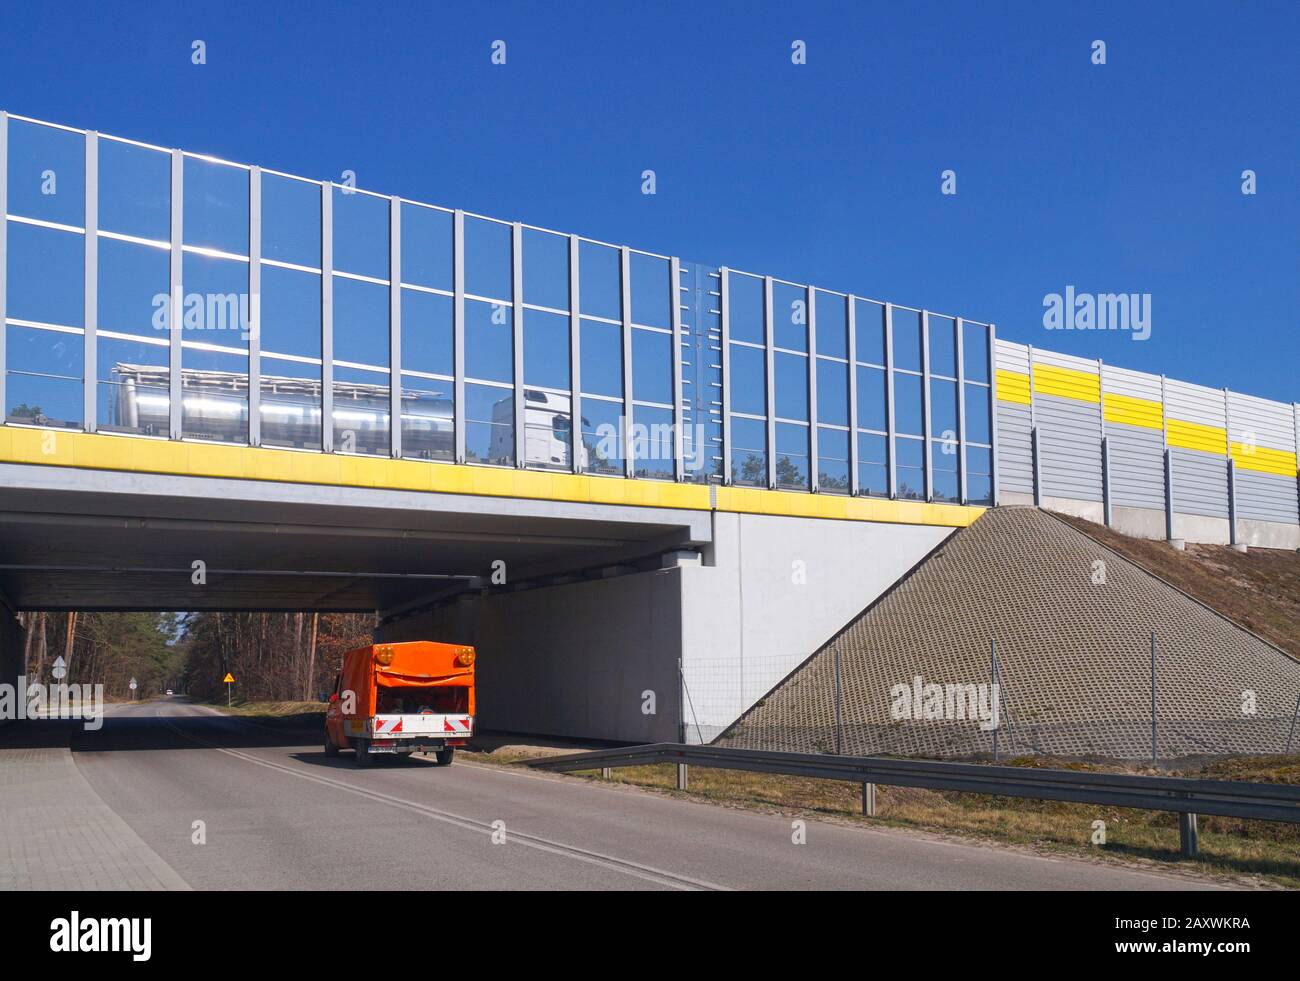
1154,724
1004,711
993,656
681,714
684,702
839,707
1291,734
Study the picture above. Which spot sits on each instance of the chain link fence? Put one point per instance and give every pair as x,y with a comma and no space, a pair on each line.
995,703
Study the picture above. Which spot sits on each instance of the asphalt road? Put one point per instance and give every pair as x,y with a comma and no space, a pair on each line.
279,816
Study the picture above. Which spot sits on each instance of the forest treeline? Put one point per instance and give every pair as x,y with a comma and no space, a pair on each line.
273,656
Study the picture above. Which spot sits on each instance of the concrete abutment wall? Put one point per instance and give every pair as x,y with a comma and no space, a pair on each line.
589,659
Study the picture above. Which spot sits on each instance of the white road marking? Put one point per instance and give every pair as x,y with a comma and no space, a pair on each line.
635,869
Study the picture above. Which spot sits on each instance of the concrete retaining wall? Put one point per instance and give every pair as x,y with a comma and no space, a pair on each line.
776,589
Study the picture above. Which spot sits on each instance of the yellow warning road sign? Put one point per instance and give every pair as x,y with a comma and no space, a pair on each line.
229,678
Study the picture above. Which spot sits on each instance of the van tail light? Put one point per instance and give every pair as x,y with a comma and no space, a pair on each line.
334,698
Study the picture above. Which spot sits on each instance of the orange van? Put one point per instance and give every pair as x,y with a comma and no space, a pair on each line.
399,699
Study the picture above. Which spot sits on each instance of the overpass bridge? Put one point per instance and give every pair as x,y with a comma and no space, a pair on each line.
230,388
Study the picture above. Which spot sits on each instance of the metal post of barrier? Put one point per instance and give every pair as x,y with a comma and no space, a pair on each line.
1106,510
1187,835
1037,460
839,707
1291,734
1154,724
1004,709
681,703
681,714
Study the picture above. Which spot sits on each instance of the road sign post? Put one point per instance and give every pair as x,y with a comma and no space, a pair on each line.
133,686
229,679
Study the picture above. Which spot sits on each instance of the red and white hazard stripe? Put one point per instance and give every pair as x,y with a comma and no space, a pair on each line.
385,727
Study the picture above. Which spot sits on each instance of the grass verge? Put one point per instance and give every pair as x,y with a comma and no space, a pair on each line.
270,710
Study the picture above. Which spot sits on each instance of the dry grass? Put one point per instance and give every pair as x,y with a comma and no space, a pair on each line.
271,710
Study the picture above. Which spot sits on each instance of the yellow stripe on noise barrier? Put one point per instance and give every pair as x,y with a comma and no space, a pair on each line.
1082,386
1132,411
1197,436
1013,387
1264,459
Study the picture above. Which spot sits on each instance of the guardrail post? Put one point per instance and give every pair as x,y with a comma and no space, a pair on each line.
1187,836
869,800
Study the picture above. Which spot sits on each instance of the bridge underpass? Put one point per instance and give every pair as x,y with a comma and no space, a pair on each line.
103,540
601,603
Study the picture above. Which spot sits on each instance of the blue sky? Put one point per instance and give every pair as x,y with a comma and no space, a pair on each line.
1124,177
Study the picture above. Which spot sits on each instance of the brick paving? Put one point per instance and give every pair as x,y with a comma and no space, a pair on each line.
55,831
1073,655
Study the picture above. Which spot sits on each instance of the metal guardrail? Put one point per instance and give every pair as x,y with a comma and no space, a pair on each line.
1226,798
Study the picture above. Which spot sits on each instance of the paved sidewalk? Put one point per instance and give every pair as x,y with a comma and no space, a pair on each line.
56,833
